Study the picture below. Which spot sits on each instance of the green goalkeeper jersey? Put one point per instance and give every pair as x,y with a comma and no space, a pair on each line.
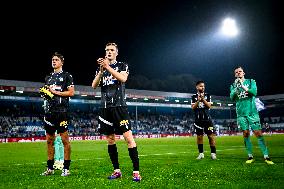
245,101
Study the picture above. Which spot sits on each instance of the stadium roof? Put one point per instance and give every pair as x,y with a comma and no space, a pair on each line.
28,88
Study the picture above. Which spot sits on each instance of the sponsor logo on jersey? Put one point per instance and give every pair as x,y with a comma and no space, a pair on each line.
55,87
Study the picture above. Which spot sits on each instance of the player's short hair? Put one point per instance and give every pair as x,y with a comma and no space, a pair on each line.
113,44
237,67
198,82
60,56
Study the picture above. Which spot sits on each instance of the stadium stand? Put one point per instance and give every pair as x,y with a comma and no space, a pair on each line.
152,112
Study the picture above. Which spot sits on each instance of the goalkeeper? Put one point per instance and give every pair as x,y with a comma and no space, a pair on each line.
58,89
243,92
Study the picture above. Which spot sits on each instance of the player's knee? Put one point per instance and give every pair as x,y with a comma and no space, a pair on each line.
199,137
111,140
210,138
65,142
130,141
246,133
212,142
50,142
258,133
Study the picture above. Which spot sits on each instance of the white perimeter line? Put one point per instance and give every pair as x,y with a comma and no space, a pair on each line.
141,155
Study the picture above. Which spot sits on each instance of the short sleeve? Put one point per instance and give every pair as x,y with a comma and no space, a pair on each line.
69,80
124,68
193,99
46,80
209,98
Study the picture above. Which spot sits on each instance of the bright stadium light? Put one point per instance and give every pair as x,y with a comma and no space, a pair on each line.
229,28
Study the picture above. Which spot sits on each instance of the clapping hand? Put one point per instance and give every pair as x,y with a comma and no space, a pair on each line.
238,83
201,97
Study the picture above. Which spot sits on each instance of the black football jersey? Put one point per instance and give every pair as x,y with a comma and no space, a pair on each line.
201,112
59,82
112,90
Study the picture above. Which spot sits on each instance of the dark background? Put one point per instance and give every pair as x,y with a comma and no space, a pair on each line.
169,45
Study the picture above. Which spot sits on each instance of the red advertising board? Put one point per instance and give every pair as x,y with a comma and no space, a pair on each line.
76,138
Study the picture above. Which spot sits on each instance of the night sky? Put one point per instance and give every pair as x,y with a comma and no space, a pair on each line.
169,45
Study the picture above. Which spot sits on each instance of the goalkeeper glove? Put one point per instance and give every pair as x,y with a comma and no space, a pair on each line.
45,93
238,83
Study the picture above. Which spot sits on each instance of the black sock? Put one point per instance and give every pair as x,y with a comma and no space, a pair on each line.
133,153
213,149
66,164
113,154
50,164
200,148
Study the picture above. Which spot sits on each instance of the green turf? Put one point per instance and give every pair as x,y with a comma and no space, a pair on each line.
164,163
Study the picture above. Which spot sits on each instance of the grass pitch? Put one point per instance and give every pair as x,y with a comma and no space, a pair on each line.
164,163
